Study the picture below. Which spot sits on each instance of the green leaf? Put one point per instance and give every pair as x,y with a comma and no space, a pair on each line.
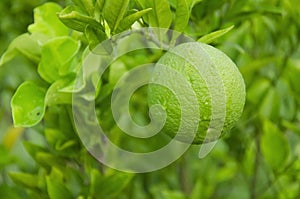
209,38
256,65
274,146
26,180
161,15
8,192
57,58
46,22
114,11
257,90
111,185
173,194
28,104
49,160
288,107
269,107
55,95
33,149
24,44
58,140
182,15
72,17
127,22
95,36
192,3
294,127
56,187
87,5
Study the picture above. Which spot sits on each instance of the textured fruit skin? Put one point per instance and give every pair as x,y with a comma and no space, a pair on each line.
234,90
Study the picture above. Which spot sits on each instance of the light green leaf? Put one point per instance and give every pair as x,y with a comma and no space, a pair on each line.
56,187
28,104
46,22
161,15
57,59
114,11
54,94
24,44
72,17
274,146
209,38
182,15
127,22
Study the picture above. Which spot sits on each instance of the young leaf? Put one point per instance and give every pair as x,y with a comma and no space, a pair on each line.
24,44
28,104
46,22
209,38
274,146
127,22
114,11
182,15
72,17
51,69
161,15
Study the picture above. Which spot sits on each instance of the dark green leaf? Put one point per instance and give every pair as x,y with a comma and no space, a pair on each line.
72,17
95,36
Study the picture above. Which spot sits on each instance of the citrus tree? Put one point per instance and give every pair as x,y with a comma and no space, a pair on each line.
43,154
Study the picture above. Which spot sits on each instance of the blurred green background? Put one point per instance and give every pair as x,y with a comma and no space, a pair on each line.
259,158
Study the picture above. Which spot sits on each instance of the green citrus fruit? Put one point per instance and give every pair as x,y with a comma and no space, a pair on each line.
186,59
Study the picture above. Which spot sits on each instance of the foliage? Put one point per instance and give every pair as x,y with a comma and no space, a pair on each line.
258,159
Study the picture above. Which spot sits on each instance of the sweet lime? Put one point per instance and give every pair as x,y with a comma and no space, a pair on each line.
186,59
